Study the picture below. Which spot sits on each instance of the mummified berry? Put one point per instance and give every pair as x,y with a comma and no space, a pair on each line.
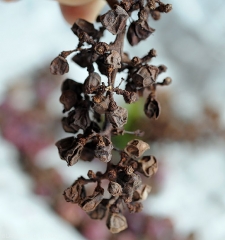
69,150
115,20
148,165
145,76
101,104
84,26
116,222
74,193
99,212
152,107
103,149
118,117
139,30
92,82
134,207
59,66
136,148
142,193
114,188
91,202
68,99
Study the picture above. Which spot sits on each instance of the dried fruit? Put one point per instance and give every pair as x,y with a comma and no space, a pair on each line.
138,31
59,66
148,165
114,188
151,107
136,148
92,101
116,222
115,20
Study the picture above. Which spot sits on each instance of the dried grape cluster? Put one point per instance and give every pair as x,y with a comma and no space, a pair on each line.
89,102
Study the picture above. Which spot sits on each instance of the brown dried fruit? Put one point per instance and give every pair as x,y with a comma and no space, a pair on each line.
114,189
152,107
115,20
74,193
69,150
68,99
148,165
116,222
138,30
145,76
68,126
103,149
136,148
101,104
59,66
118,117
99,212
92,82
134,207
91,202
142,193
84,26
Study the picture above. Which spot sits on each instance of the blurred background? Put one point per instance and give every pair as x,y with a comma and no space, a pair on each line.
187,201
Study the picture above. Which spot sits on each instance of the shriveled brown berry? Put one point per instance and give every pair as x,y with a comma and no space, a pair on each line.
148,165
152,107
92,82
145,76
103,149
101,104
134,207
84,59
128,192
69,150
114,188
141,193
68,99
116,222
115,20
81,117
99,212
138,31
118,117
74,193
91,202
164,8
136,148
59,66
84,26
68,126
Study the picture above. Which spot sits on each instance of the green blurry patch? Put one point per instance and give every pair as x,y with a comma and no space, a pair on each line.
135,112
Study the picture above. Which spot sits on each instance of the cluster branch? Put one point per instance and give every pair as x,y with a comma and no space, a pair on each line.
87,103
